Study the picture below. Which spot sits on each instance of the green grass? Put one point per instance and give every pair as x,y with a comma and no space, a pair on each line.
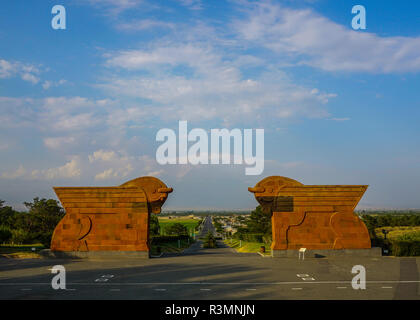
20,251
170,247
248,246
395,233
191,224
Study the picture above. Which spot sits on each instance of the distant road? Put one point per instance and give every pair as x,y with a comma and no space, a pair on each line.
207,227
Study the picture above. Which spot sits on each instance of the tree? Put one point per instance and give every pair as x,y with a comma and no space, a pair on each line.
7,215
41,219
154,227
209,241
259,221
44,214
176,229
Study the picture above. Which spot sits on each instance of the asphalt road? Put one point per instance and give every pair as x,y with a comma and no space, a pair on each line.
207,227
212,274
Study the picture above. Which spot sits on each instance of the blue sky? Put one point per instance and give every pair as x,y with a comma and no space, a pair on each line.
82,106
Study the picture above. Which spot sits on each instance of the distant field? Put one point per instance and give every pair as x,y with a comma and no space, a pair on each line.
395,232
190,223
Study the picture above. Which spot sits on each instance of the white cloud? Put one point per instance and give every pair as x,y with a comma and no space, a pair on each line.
18,173
49,84
214,87
105,175
114,7
6,69
192,4
70,169
55,113
145,24
102,155
13,69
58,142
339,119
314,40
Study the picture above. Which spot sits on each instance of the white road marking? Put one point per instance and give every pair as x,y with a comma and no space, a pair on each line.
207,283
302,275
160,289
308,279
341,287
251,289
386,287
105,278
296,288
205,289
70,289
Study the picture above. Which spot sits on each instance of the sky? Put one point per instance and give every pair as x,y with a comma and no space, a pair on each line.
82,106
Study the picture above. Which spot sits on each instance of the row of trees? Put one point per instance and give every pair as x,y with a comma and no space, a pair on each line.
257,227
391,220
175,229
34,226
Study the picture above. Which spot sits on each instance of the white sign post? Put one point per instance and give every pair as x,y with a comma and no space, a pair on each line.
302,251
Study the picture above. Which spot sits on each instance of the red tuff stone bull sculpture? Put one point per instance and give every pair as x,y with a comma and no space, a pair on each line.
315,217
108,219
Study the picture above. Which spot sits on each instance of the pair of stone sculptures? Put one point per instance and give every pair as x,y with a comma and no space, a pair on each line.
106,219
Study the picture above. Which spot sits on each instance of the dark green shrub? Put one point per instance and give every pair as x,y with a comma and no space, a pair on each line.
5,234
20,236
165,239
404,248
267,238
209,241
252,237
44,238
176,229
154,226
